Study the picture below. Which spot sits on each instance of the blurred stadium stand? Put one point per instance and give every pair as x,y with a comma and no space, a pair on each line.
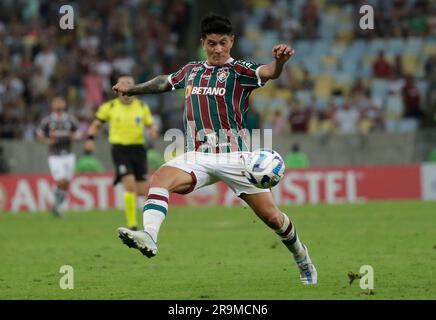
340,60
336,64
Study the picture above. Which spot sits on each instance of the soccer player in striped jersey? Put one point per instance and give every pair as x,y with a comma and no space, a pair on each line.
216,93
58,130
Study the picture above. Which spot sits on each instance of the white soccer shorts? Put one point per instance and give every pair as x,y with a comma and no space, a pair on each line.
209,168
62,167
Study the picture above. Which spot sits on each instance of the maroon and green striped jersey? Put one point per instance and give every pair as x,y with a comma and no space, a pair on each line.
216,103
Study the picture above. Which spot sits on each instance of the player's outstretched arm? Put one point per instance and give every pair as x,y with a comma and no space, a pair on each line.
157,85
281,54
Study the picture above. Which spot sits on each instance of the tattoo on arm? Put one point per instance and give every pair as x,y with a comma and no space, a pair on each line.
156,85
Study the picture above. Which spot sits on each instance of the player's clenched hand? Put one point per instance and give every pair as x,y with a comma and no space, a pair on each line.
120,88
282,53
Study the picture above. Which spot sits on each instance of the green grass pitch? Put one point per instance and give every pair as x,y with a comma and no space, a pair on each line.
223,253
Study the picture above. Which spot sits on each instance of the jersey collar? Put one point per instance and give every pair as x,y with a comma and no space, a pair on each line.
55,116
229,60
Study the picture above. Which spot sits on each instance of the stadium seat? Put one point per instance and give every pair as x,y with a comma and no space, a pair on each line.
329,64
429,49
396,45
379,89
262,4
422,88
393,112
344,81
329,60
407,125
413,46
324,84
322,103
377,45
284,94
344,36
314,126
410,63
253,34
338,50
304,96
365,126
312,65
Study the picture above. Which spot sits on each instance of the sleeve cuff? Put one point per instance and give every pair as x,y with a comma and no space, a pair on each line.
171,82
259,80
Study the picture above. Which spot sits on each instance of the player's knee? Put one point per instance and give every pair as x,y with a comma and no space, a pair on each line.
273,218
160,179
171,179
129,183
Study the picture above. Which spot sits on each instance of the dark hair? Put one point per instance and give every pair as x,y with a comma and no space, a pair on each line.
213,23
295,147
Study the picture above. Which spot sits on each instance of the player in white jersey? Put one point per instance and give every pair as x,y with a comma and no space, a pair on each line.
58,130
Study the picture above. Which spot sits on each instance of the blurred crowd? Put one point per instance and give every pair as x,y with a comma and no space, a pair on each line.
39,60
342,78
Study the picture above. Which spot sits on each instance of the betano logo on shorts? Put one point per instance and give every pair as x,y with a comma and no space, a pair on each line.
207,91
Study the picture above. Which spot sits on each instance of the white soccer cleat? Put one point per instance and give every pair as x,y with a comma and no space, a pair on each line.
140,240
308,273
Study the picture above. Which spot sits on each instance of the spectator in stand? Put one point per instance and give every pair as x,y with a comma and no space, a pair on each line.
290,28
295,158
417,19
310,19
395,83
399,14
299,117
398,67
9,124
307,82
4,165
46,60
279,123
411,99
93,83
381,67
269,22
359,87
123,63
371,118
37,61
430,77
431,21
347,119
39,83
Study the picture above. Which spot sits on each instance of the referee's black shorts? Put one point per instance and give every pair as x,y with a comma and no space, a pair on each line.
129,159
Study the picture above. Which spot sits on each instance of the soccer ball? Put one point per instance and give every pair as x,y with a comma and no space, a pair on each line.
264,168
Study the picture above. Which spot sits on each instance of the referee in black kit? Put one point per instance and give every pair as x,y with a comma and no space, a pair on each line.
58,130
127,117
